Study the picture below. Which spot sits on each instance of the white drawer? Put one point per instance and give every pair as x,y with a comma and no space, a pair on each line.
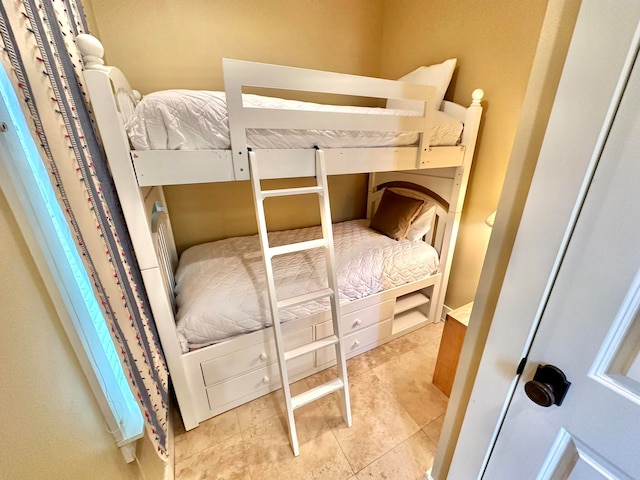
367,316
257,382
227,366
354,343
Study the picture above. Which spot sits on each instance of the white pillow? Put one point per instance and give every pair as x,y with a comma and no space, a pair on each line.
421,224
437,75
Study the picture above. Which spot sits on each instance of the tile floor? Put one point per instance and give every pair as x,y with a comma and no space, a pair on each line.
397,417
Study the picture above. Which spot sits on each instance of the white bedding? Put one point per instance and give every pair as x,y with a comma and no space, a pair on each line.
197,120
221,290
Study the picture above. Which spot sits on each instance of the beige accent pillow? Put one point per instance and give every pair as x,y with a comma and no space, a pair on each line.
437,75
395,214
421,224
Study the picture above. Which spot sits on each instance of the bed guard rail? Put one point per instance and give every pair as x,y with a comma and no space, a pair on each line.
239,74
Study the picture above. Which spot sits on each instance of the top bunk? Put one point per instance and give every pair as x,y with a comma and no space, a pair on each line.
181,136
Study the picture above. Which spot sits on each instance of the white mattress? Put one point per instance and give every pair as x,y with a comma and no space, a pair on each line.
221,289
197,120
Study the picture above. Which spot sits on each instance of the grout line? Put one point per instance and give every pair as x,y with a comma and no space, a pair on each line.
327,419
245,450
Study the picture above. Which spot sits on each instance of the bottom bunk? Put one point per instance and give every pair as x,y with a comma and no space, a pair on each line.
221,287
245,367
389,282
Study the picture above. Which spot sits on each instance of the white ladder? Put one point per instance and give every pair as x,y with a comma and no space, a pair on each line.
339,384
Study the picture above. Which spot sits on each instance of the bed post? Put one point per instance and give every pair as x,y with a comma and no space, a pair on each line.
459,190
98,81
237,130
423,147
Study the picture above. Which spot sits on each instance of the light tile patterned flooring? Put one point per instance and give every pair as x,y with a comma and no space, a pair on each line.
397,417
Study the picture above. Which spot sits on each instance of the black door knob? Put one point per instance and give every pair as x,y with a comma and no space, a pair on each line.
548,387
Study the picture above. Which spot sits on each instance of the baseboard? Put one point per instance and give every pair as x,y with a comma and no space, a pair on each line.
169,469
427,475
445,311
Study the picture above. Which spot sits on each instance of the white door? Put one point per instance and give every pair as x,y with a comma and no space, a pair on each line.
590,330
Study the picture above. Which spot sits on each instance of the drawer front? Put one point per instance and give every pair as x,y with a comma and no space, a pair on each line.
354,343
261,379
257,382
367,316
227,366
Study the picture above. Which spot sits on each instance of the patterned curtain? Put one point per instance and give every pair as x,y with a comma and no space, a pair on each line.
41,58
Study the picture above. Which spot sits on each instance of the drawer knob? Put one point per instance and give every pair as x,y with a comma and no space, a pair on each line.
357,323
356,343
265,379
263,356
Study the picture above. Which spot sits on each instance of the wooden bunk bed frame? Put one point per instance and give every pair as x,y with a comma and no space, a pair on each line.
214,379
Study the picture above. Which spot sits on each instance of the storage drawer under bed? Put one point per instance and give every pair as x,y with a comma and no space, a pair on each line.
259,381
354,343
260,355
367,316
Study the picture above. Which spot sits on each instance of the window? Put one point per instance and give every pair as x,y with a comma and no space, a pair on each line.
26,184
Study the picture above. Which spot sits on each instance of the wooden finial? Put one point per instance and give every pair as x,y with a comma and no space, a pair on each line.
477,96
91,50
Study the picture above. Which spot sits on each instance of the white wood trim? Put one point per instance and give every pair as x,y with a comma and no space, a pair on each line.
301,119
170,465
254,74
178,167
239,74
116,146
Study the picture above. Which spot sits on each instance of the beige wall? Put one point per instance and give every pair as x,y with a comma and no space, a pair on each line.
52,426
494,42
201,213
164,44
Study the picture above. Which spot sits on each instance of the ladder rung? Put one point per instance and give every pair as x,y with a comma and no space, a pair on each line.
305,298
298,247
283,192
311,347
316,393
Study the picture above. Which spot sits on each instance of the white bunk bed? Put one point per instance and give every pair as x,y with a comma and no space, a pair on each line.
223,375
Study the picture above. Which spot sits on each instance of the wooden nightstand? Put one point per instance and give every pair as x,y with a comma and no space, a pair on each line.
455,328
